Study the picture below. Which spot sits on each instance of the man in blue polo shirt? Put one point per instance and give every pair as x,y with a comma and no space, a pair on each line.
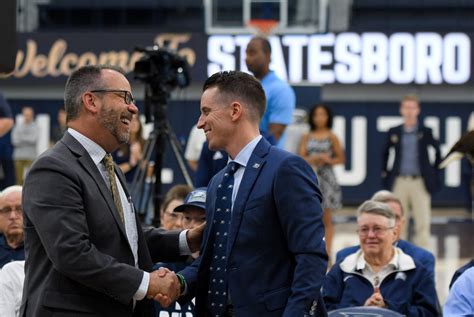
280,96
460,301
11,226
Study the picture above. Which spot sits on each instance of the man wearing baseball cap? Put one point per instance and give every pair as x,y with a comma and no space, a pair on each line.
194,214
194,210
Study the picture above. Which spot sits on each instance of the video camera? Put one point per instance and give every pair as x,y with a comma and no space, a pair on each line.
162,68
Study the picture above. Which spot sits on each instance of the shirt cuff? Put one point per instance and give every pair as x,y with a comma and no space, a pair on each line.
185,290
183,243
143,288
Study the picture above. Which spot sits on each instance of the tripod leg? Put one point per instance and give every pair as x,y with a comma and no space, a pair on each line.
177,151
141,181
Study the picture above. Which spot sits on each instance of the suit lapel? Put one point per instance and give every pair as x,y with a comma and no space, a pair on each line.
252,170
85,160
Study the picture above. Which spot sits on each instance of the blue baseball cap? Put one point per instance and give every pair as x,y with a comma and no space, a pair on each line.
196,198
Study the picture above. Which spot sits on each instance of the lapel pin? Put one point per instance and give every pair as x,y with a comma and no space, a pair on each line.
256,165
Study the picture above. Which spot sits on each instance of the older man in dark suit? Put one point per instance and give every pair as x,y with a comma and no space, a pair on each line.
86,252
263,250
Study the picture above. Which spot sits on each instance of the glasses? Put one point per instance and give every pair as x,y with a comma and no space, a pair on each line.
364,231
5,211
127,95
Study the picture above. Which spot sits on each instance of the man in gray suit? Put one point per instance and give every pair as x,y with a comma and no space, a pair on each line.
86,252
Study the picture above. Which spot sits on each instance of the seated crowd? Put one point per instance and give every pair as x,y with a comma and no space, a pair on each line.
379,273
382,271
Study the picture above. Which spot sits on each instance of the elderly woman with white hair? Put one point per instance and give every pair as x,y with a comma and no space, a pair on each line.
380,274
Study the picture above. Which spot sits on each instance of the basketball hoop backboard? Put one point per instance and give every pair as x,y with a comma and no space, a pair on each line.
265,16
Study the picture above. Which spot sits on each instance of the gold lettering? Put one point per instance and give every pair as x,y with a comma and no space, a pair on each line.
114,58
87,58
55,54
39,67
68,63
189,54
172,39
57,62
19,58
26,58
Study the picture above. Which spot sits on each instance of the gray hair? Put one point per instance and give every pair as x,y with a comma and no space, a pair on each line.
11,189
377,208
385,196
81,80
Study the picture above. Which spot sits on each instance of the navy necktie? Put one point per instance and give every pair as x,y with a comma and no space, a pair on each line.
217,294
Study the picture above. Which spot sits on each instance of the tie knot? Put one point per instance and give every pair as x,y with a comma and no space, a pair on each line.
232,167
108,160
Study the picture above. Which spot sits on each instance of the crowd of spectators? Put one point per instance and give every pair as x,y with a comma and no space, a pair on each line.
384,270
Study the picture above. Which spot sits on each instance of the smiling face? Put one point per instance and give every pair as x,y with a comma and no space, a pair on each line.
215,119
375,234
114,114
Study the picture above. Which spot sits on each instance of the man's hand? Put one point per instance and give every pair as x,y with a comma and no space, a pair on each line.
194,237
376,299
164,287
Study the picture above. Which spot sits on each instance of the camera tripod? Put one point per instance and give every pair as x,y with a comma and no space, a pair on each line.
147,179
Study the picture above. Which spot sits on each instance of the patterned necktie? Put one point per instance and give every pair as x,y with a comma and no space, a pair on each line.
109,166
217,294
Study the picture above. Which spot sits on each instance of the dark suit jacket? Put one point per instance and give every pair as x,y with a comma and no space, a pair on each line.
421,255
276,253
78,259
429,171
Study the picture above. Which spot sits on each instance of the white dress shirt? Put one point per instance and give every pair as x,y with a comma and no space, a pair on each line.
97,153
243,158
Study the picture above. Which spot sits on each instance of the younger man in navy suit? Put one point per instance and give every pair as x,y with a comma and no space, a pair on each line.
263,253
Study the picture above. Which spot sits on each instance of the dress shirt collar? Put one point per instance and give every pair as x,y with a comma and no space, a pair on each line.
411,129
361,263
244,155
95,151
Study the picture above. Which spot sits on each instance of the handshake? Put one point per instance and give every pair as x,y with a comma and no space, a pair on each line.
164,287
